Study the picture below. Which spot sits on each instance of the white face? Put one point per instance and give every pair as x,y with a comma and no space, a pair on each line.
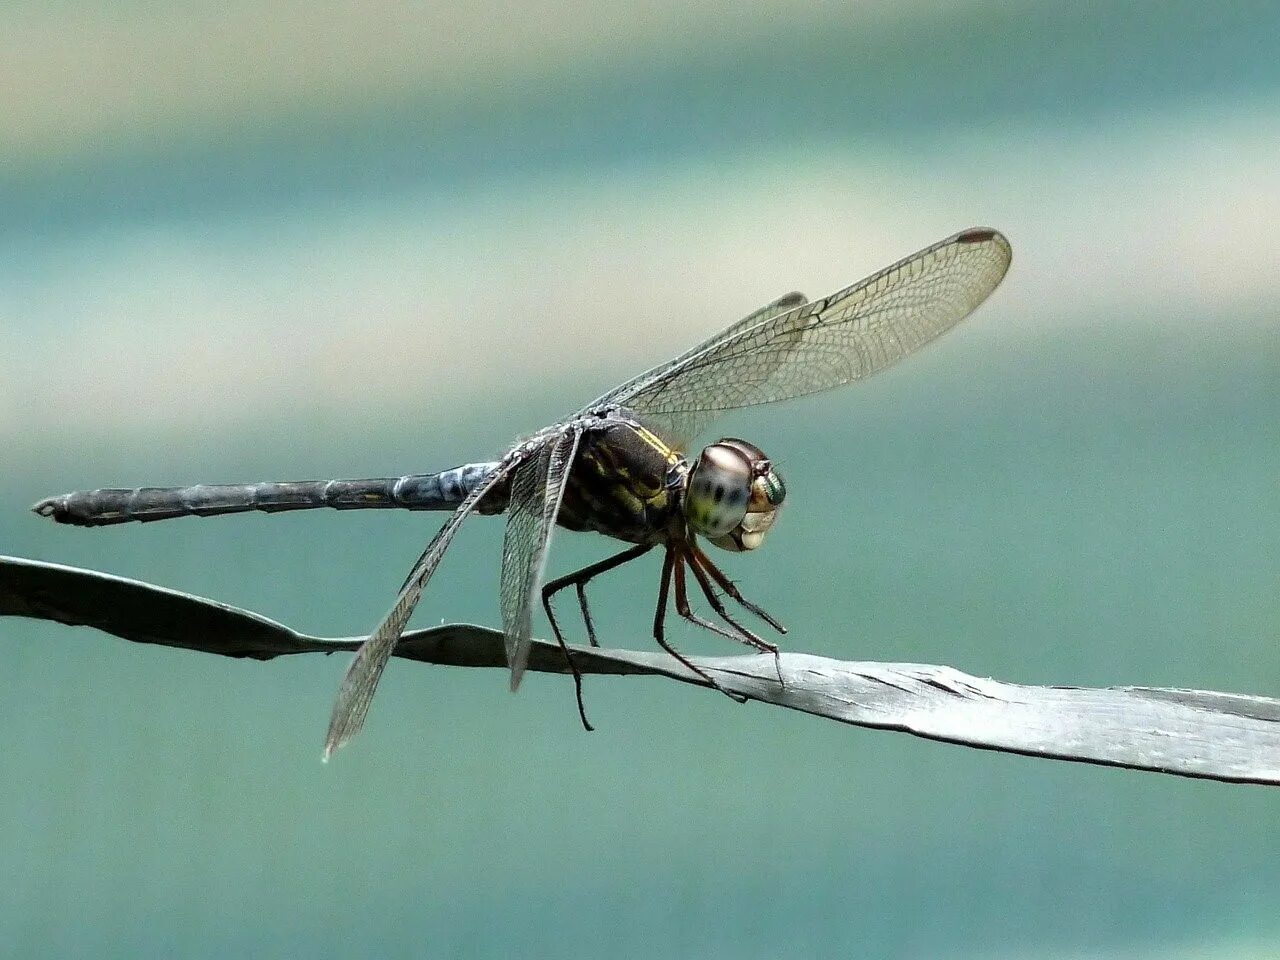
733,496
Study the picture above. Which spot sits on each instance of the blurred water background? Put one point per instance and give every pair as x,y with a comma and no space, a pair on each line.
276,241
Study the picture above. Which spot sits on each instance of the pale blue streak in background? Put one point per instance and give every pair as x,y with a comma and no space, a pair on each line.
1034,65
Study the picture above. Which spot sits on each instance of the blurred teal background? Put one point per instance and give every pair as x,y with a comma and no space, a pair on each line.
246,241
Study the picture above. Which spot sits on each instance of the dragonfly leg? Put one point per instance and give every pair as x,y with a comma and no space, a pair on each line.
573,667
579,578
683,608
750,638
581,589
743,635
659,626
728,586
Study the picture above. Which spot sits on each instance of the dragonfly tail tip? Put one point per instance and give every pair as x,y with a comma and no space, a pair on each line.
46,508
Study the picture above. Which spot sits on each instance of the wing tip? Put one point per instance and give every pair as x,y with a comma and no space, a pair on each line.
979,235
333,742
996,242
347,718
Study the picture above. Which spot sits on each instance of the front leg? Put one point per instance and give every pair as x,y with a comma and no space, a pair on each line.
669,566
704,563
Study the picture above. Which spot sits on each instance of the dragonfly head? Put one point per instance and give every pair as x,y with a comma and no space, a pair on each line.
734,495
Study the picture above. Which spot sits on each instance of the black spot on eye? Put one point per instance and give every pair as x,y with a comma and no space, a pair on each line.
735,496
719,494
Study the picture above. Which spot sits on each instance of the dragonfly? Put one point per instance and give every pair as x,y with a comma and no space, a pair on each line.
619,466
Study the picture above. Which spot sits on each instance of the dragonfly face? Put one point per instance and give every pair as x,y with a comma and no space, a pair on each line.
734,495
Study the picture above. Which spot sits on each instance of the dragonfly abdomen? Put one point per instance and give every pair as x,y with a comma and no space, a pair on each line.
437,491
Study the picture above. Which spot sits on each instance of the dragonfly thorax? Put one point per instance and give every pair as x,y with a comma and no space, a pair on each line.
733,495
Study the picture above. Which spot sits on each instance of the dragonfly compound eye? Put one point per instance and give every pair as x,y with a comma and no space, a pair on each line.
753,491
719,492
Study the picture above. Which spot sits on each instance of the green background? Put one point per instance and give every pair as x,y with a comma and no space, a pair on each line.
244,245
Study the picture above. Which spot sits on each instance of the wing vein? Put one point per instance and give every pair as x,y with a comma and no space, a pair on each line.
790,348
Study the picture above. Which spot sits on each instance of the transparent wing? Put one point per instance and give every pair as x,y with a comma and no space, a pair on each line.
833,341
361,679
536,491
770,310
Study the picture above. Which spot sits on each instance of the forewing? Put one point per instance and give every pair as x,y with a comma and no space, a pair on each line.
782,305
847,336
536,492
361,679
